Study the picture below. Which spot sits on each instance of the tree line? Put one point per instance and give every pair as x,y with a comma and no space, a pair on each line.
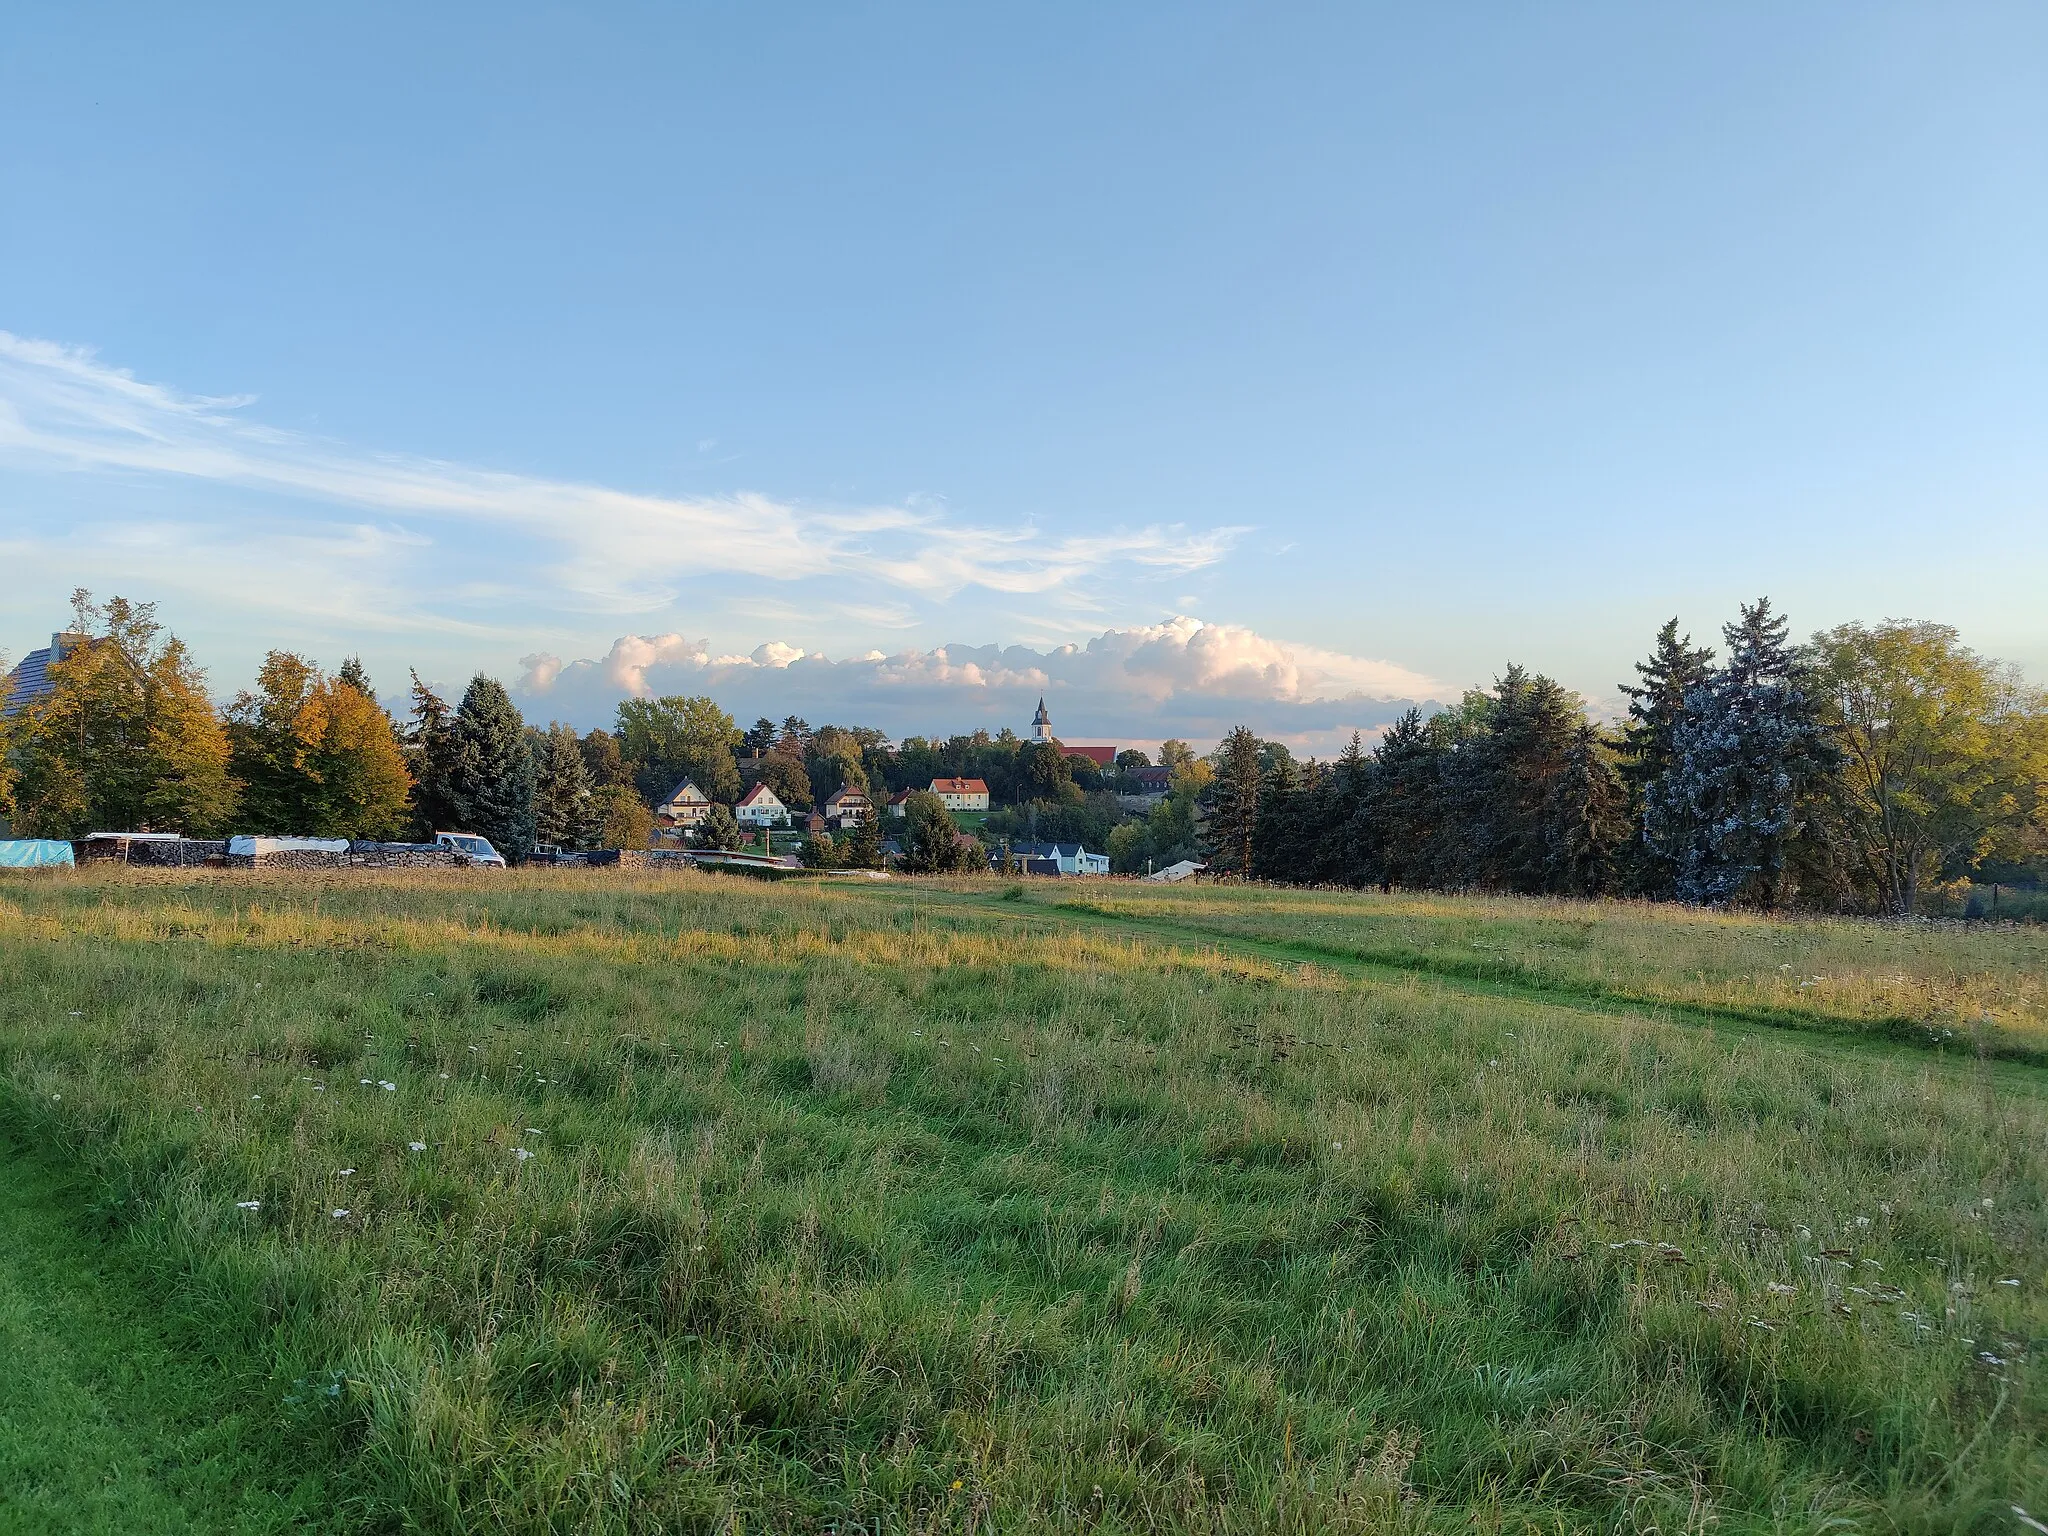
1847,774
127,739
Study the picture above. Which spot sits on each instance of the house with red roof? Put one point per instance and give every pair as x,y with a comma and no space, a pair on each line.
962,794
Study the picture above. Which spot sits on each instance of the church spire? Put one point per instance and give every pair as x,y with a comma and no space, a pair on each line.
1041,723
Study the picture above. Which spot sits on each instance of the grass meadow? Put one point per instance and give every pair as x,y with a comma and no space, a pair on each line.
571,1201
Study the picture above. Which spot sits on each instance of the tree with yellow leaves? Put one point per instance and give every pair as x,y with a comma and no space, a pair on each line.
126,739
319,755
1945,753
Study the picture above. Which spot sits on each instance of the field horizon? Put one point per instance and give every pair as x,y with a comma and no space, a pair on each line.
580,1201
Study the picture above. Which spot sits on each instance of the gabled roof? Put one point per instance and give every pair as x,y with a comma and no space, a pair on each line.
758,794
1048,850
31,681
959,787
901,795
688,793
846,792
1103,756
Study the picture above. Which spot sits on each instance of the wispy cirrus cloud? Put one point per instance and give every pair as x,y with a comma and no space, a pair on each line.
600,549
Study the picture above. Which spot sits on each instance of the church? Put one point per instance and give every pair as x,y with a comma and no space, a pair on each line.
1101,753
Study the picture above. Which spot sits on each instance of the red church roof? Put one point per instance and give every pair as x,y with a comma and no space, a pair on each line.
1102,757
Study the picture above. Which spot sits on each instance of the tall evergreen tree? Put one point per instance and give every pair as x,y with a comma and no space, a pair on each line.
353,674
1656,708
1397,822
1749,748
493,779
565,812
430,753
863,847
1233,803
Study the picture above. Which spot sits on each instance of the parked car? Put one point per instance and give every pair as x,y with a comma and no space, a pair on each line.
477,850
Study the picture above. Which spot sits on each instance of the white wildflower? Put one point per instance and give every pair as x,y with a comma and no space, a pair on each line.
522,1153
248,1205
338,1214
415,1146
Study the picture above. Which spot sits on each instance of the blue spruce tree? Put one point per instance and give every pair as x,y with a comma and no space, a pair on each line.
1743,755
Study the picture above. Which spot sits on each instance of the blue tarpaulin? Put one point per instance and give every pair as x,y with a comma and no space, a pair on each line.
34,853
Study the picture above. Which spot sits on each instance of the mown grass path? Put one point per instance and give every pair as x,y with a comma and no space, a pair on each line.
109,1422
1792,1032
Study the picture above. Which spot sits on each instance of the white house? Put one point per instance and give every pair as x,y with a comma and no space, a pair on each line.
1072,858
962,794
848,807
685,806
759,807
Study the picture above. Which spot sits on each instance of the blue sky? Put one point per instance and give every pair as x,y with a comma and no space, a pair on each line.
649,348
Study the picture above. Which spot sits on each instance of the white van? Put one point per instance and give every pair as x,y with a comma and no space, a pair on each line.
477,850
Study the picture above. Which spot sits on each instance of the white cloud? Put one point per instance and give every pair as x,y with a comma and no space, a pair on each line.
594,548
1135,686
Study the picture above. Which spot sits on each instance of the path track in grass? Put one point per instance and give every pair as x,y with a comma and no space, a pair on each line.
108,1421
1789,1032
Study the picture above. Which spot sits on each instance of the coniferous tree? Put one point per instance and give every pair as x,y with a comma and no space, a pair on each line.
430,752
353,674
863,848
719,829
1286,846
928,835
492,783
1233,803
1749,749
1656,708
565,811
1397,822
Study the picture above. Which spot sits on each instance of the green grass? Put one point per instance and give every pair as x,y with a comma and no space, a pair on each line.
904,1207
1942,986
112,1415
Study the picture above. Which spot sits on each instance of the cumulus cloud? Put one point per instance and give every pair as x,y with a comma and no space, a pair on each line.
592,547
1135,686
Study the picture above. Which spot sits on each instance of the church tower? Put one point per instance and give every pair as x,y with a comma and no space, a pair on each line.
1041,723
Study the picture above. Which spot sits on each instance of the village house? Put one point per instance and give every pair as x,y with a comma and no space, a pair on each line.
1067,858
30,683
899,803
962,794
848,807
685,806
759,807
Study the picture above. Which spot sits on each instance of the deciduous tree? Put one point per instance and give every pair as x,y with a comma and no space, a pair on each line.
670,739
126,738
1945,754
